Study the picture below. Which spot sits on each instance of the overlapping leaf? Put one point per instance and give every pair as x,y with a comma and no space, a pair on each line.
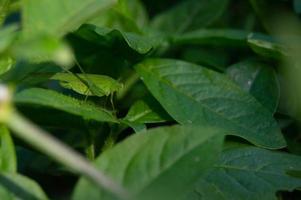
189,15
259,80
249,173
43,48
58,17
105,36
226,37
266,46
126,15
7,36
5,64
193,94
8,161
52,99
143,112
15,186
147,166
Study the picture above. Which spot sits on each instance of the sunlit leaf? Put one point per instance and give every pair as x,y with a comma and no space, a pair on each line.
8,161
58,17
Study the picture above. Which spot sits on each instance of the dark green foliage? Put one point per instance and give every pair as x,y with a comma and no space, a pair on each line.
184,99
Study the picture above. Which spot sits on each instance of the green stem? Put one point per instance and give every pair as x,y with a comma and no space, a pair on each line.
60,152
90,152
133,78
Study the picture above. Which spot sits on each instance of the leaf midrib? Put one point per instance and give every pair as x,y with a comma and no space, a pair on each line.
194,100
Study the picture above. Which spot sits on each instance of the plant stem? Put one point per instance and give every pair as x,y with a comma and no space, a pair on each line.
133,78
60,152
90,151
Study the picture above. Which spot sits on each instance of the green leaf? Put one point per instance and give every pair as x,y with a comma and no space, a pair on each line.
297,6
189,15
7,36
22,71
193,94
52,99
15,186
135,10
226,37
162,163
266,46
145,112
58,17
126,15
105,84
5,64
8,162
261,7
277,17
259,80
43,48
249,173
216,58
101,35
4,6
